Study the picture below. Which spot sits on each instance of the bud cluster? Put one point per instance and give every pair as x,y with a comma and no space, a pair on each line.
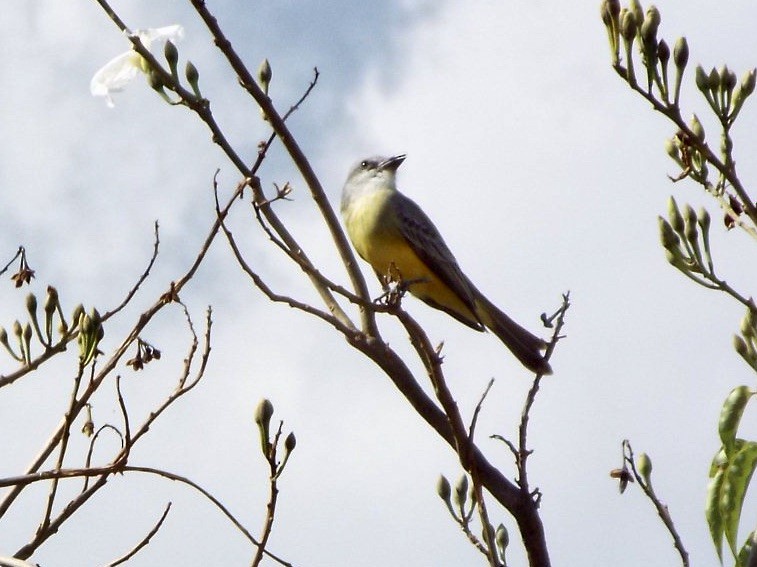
268,444
724,93
680,235
464,499
633,26
156,79
40,326
91,332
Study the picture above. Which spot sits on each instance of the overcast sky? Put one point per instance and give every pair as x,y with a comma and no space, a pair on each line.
541,169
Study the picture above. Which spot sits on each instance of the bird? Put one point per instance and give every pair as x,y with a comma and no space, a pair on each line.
401,243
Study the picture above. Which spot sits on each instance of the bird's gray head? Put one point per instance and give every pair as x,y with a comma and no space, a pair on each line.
370,174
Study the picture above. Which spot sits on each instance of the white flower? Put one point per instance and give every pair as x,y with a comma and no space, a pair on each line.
121,70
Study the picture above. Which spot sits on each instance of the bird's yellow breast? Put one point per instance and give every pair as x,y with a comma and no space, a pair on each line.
374,228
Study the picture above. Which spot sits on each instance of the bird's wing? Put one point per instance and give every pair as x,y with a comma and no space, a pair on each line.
424,239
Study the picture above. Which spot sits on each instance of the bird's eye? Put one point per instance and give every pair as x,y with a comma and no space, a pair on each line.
364,164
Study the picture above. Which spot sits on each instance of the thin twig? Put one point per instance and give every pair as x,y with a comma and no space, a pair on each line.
263,151
132,292
662,509
273,492
145,540
477,410
313,272
333,320
18,253
52,525
90,451
523,452
62,450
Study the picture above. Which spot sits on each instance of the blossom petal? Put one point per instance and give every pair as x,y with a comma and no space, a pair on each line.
114,75
121,70
174,33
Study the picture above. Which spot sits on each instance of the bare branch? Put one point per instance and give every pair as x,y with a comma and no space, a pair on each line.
298,157
523,451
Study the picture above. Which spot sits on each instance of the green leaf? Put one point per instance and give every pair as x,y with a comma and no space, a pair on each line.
735,482
730,416
746,550
712,510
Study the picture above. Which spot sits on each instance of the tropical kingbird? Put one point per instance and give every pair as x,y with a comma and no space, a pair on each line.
400,242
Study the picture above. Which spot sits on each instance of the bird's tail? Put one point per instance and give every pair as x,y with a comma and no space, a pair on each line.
525,346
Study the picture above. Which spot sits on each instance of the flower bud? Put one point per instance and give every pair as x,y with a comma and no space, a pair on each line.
17,329
604,12
723,73
704,220
696,128
731,81
85,325
628,26
741,347
264,75
193,78
502,538
650,25
76,314
644,465
443,488
4,337
264,412
31,303
461,491
702,79
663,52
668,237
51,300
714,78
290,442
172,55
611,21
747,82
676,220
692,234
27,332
613,7
638,12
747,324
681,53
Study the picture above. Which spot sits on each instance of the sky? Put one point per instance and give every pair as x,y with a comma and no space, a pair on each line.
541,169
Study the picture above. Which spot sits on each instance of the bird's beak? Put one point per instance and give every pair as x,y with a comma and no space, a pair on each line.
392,163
